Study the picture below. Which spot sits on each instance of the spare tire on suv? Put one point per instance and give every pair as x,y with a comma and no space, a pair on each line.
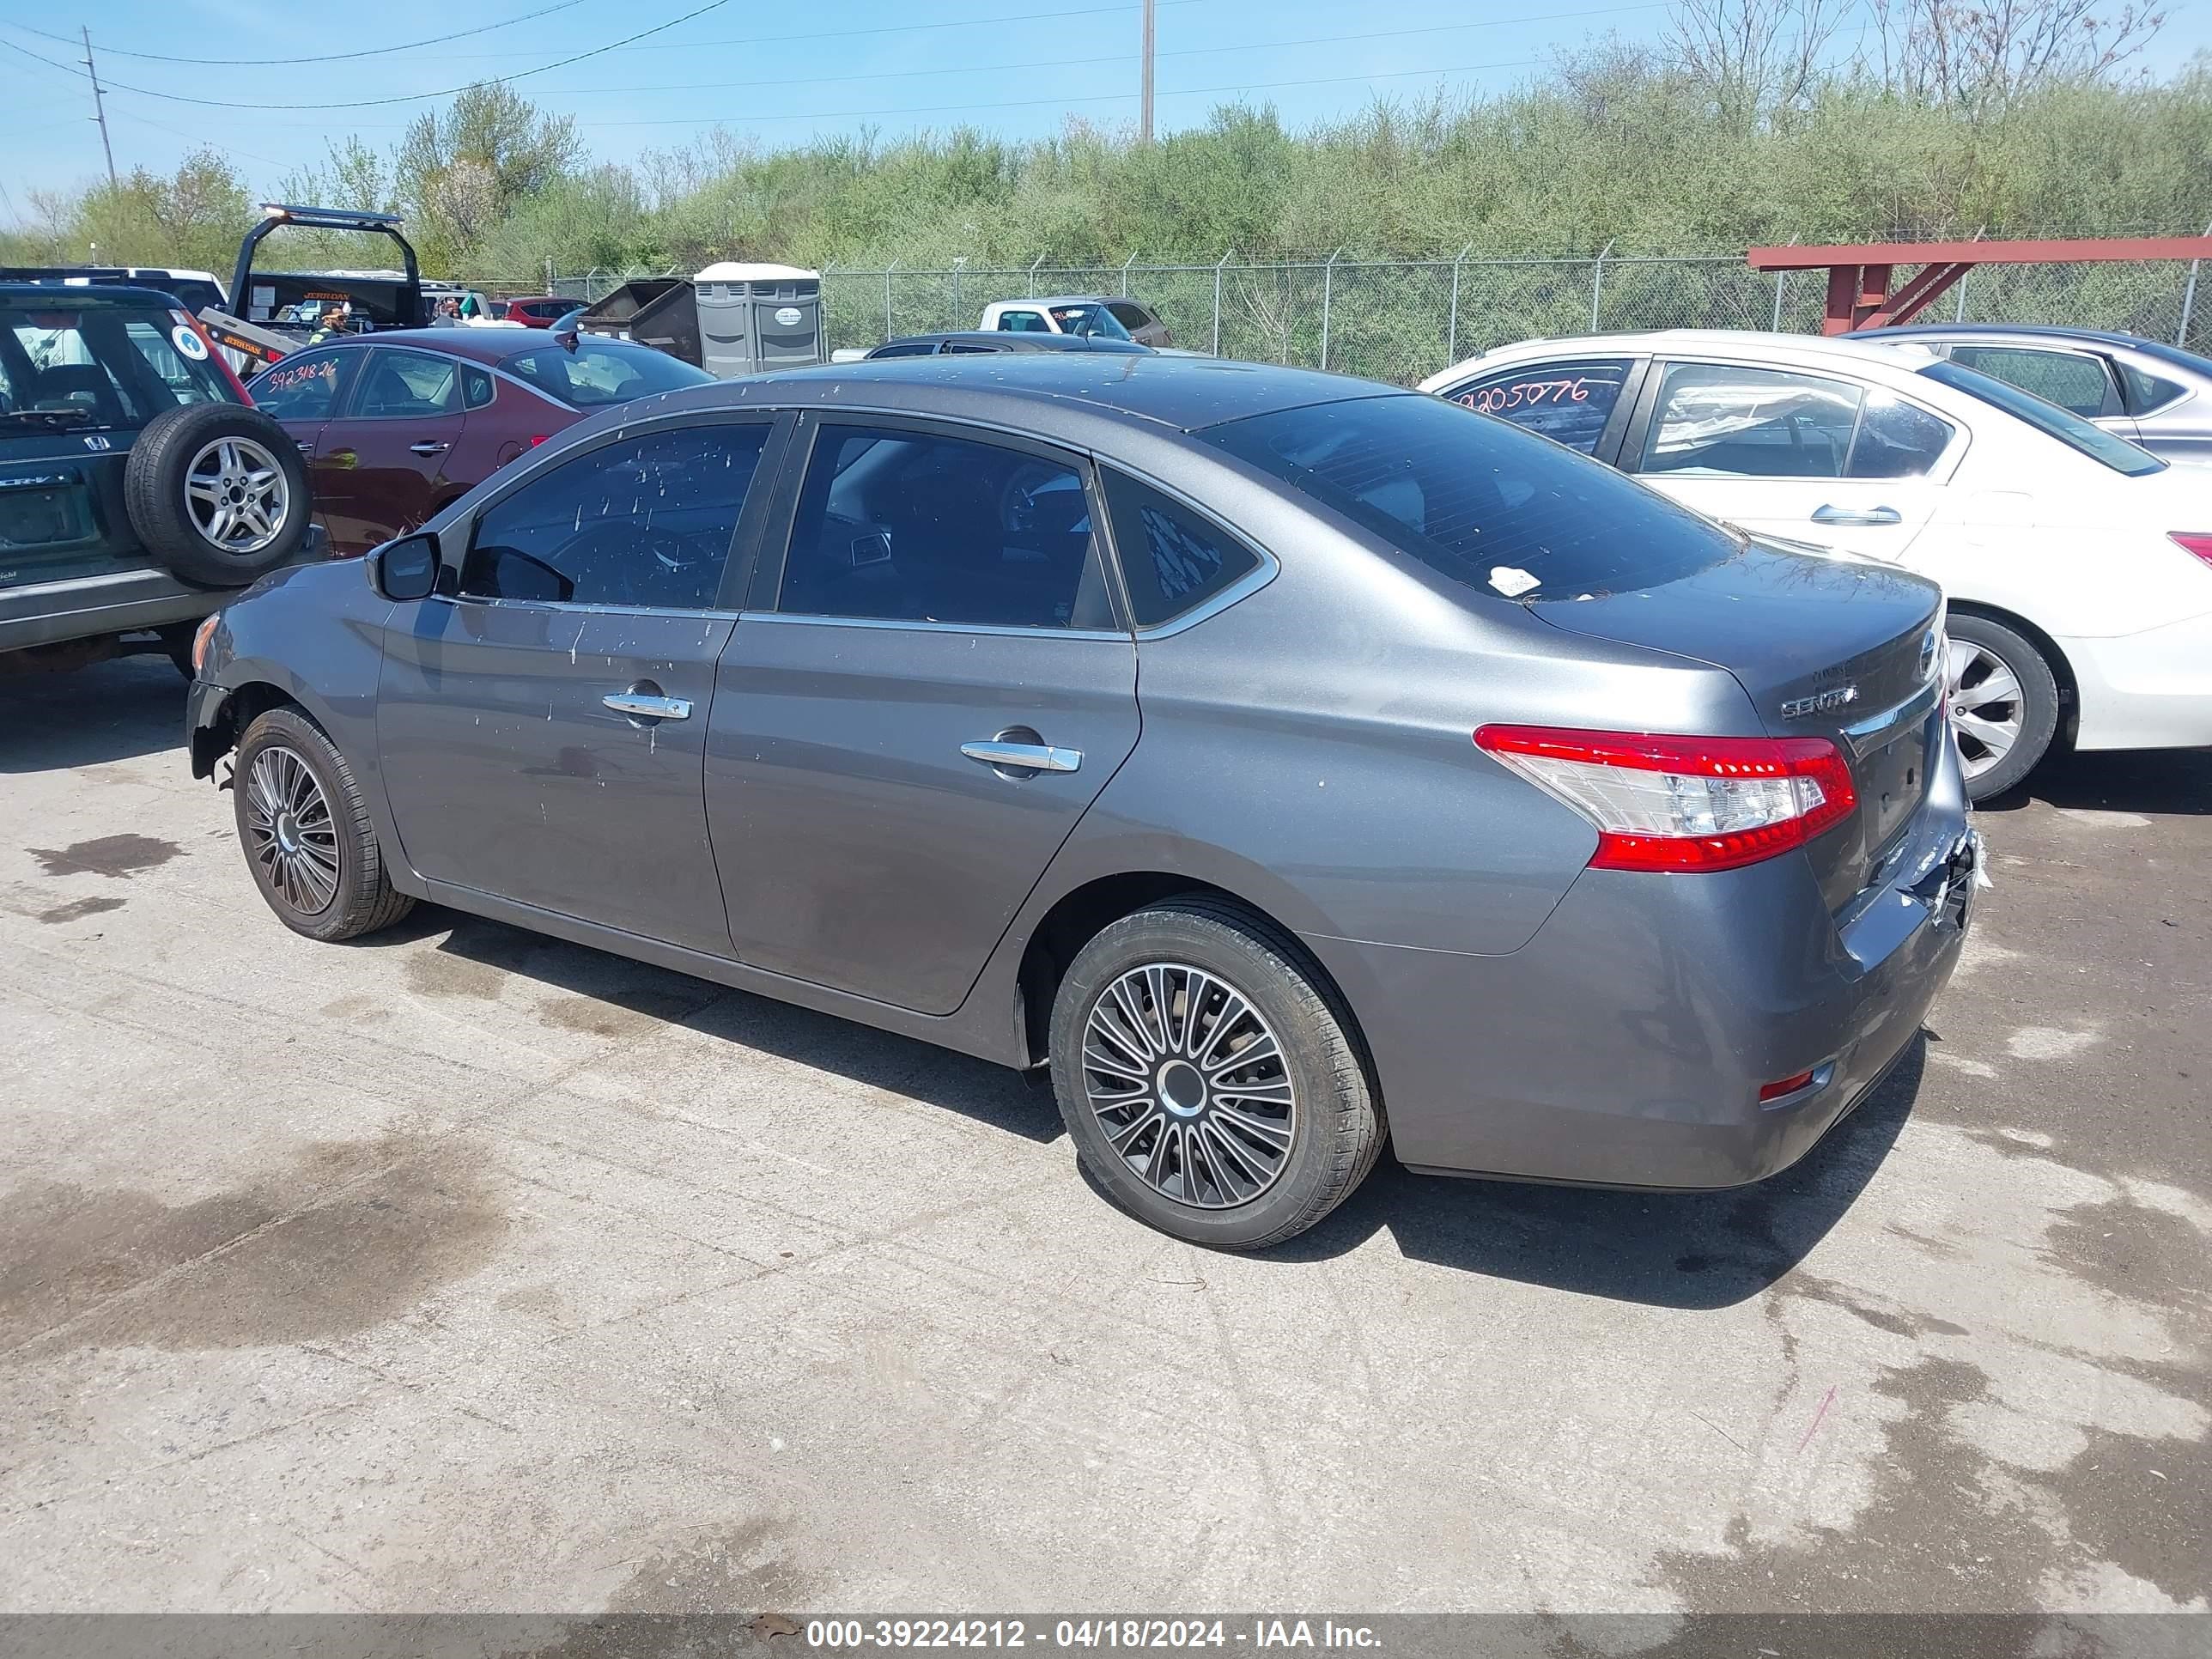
217,494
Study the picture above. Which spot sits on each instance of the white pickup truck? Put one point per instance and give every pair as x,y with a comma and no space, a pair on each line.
1078,313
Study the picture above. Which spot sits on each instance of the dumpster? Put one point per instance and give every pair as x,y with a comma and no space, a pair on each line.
655,310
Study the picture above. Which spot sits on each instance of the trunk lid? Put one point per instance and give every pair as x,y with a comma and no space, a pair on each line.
60,505
1832,647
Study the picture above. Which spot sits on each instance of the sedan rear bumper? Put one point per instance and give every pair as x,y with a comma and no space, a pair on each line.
1627,1043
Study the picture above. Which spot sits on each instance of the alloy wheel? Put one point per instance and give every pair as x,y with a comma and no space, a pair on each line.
1987,706
1189,1085
235,492
290,834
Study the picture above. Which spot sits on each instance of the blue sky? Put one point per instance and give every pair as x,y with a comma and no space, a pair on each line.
996,64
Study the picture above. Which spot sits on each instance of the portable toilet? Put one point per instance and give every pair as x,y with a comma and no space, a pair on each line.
757,317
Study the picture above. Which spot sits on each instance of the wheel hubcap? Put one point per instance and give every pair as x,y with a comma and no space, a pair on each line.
236,494
1189,1085
1986,707
289,834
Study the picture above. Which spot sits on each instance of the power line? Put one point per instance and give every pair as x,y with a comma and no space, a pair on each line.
1031,103
406,98
1080,62
322,57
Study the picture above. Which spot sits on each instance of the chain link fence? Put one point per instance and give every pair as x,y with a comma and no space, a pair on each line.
1401,321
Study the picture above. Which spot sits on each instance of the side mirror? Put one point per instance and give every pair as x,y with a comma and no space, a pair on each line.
406,569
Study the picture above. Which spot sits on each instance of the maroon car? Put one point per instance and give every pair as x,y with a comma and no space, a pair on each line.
538,311
395,425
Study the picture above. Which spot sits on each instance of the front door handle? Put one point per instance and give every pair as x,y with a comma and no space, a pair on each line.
641,706
1856,515
425,447
1024,756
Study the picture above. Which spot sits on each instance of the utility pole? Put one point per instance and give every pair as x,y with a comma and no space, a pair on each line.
99,109
1145,100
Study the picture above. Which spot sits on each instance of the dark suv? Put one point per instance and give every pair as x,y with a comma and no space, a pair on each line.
139,488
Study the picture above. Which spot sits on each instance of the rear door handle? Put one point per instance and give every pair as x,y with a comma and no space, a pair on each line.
1856,515
425,447
1028,757
639,706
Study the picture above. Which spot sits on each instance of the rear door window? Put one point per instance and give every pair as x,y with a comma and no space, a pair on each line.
1569,402
1731,420
1478,500
408,383
2072,379
1131,315
897,525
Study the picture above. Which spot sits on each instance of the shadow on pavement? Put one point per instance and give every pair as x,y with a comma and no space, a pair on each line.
1673,1250
129,706
991,1094
2154,781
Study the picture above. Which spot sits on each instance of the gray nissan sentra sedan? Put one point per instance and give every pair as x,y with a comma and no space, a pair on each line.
1287,761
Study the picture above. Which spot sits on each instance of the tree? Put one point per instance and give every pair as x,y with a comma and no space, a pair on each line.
1977,56
462,169
1753,57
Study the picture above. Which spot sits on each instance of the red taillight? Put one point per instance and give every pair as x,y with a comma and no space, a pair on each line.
2198,542
1681,802
539,439
1786,1085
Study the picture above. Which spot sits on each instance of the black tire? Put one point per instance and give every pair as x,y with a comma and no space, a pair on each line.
1999,649
361,898
1334,1121
153,493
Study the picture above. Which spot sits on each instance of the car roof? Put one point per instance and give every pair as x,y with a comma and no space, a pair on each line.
60,296
1004,339
1805,350
1026,389
1069,300
481,345
2115,338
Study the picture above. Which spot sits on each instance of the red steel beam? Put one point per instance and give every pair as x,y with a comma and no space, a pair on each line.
2099,249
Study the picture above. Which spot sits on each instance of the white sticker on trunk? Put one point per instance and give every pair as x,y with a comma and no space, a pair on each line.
187,340
1512,581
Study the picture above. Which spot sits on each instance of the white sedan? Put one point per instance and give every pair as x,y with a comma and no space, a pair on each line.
2078,567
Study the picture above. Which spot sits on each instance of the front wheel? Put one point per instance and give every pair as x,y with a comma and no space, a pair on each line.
1208,1082
306,834
2004,704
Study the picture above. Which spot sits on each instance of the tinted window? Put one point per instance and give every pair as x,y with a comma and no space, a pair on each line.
1172,559
914,527
1723,420
2047,417
1895,439
1477,500
1129,313
96,365
1024,322
647,521
411,384
601,372
1568,403
906,348
969,348
2147,391
476,386
1088,319
2068,379
302,388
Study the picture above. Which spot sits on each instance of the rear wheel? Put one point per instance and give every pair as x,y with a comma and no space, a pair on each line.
305,831
2004,704
1207,1081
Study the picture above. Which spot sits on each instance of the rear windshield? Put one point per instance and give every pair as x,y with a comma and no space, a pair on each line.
601,372
102,365
1478,500
2063,424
